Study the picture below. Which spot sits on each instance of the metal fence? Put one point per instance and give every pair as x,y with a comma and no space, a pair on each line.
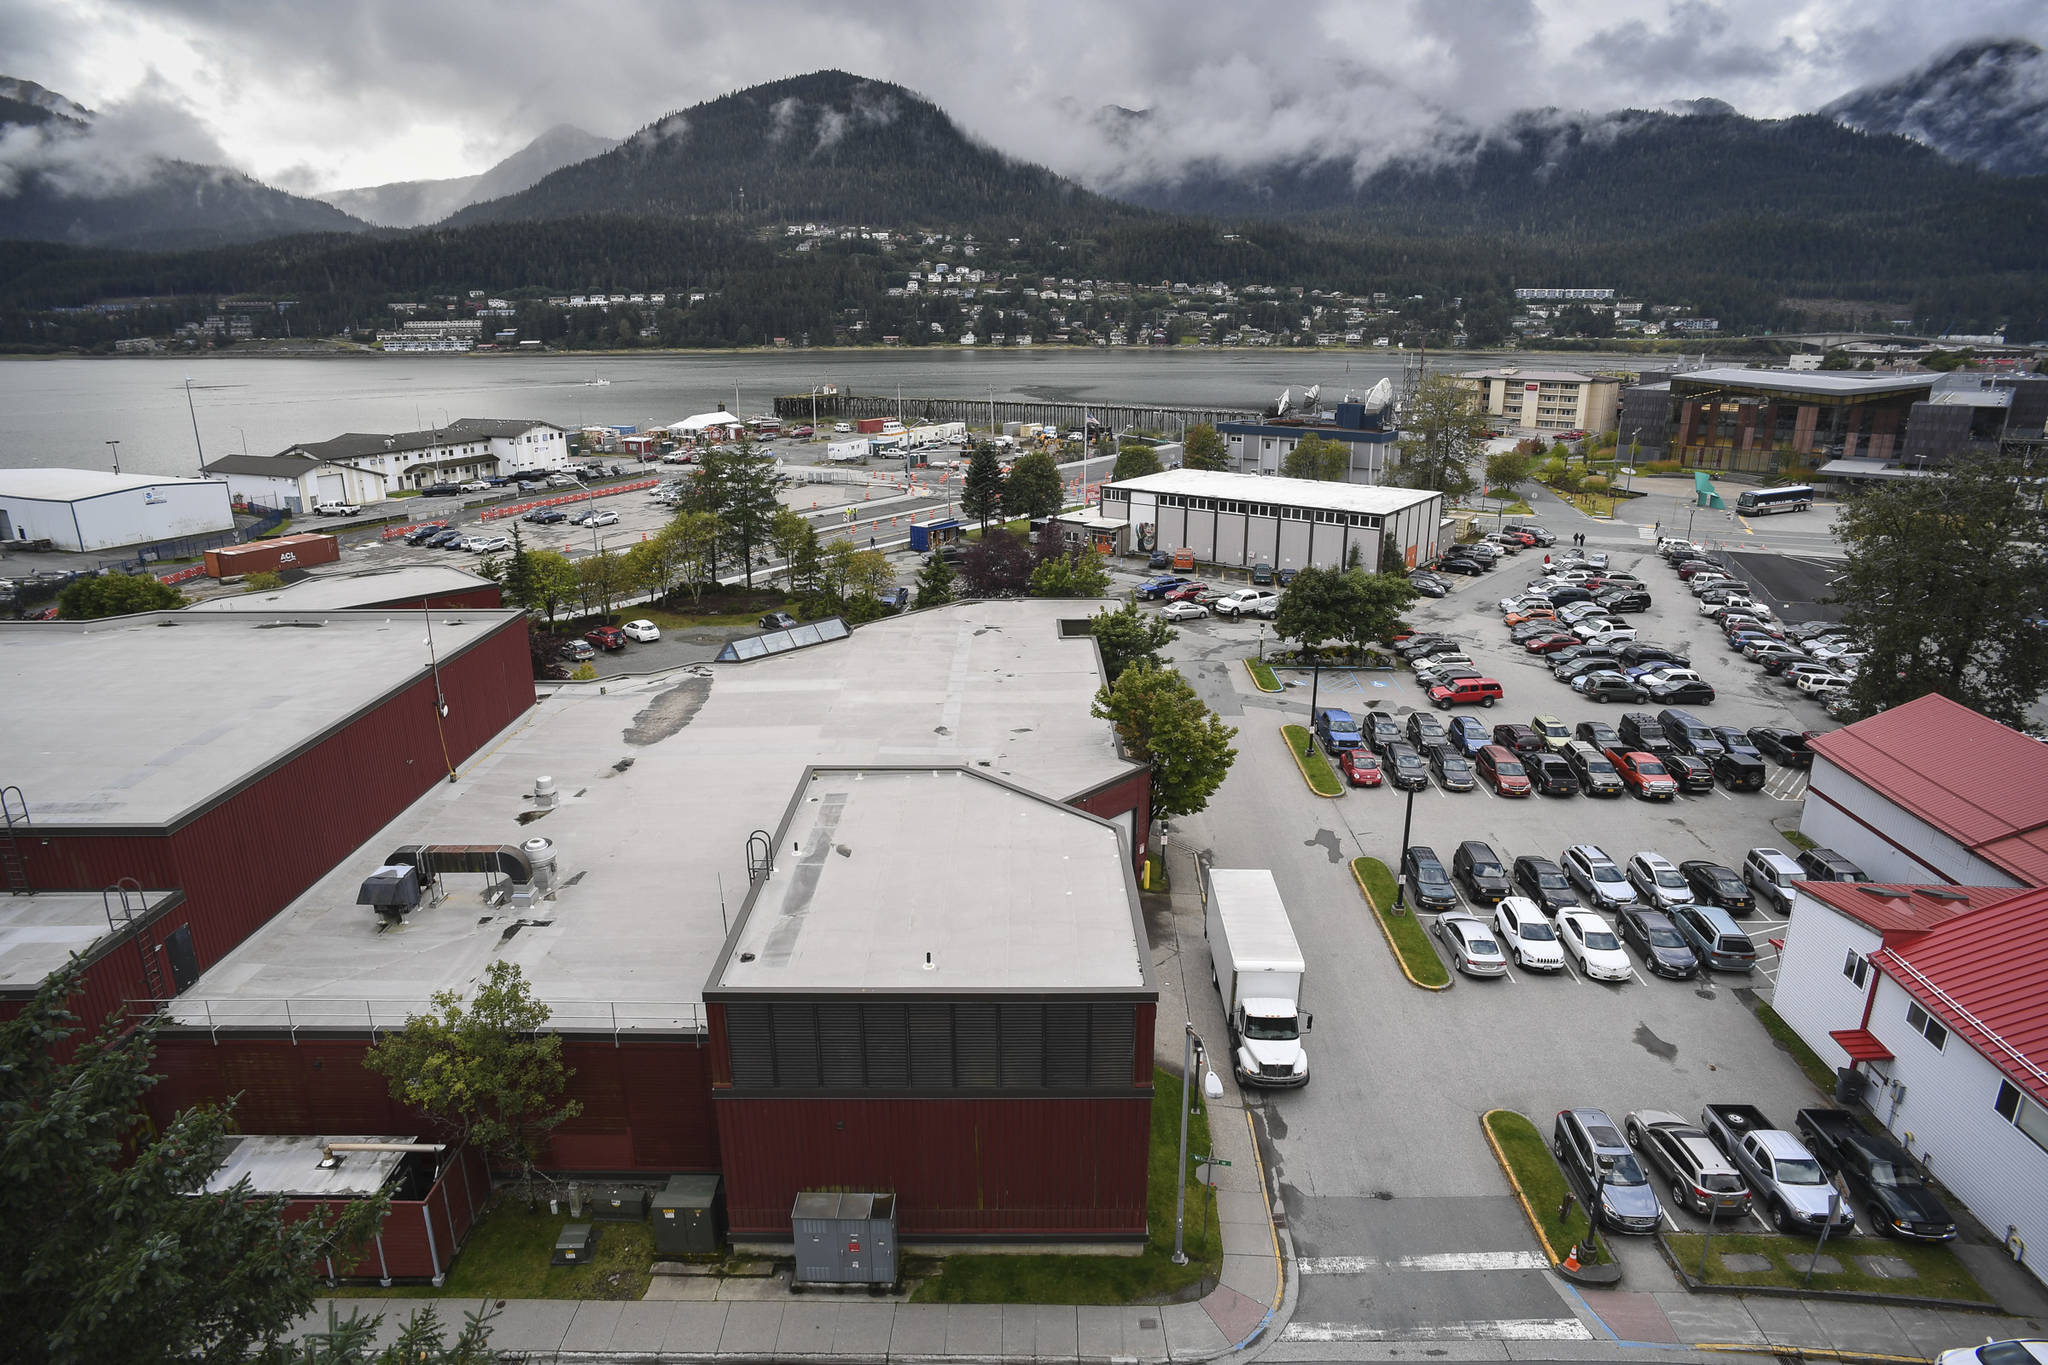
321,1014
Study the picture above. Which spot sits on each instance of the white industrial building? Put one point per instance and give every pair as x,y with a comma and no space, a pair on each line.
366,467
1242,520
1931,791
90,509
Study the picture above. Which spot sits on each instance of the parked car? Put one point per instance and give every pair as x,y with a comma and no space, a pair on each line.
1681,693
1624,600
1471,945
1543,883
425,532
1183,611
448,539
1774,877
1480,871
1453,771
1597,733
442,490
1658,881
1423,728
1522,739
1186,592
1360,767
1551,775
1714,938
608,638
1155,588
335,509
579,651
1700,1177
1691,773
1640,730
1404,766
1527,935
1713,884
489,545
1381,729
896,599
1262,574
1881,1173
1595,774
778,620
1465,692
1458,564
1469,733
1826,865
1429,585
1338,729
1598,877
1657,941
643,631
1248,602
1593,942
1643,774
1740,772
1501,769
1429,886
1602,685
546,516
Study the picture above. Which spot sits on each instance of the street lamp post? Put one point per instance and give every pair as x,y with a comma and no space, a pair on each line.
1407,823
1315,688
1211,1087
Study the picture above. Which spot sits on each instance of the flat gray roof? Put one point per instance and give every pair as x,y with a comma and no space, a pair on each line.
39,933
1554,376
140,720
937,879
291,1165
344,592
1335,497
70,485
662,781
1834,384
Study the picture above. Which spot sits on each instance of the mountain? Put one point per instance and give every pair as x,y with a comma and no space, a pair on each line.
63,180
825,146
415,203
1985,104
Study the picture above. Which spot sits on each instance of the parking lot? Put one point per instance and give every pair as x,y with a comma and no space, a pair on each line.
1381,1159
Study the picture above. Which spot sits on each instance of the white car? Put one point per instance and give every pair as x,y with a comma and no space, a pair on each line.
1510,605
1592,940
644,631
1813,683
1249,602
1574,612
1604,631
1527,935
335,509
1665,676
1701,584
1733,601
604,518
489,545
2019,1351
1184,611
560,481
476,486
1442,656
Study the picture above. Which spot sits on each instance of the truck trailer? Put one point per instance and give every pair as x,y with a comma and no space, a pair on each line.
1258,970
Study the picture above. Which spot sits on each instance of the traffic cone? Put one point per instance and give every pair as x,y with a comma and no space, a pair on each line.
1571,1258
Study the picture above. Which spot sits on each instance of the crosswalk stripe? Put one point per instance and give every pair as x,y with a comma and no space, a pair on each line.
1446,1260
1490,1329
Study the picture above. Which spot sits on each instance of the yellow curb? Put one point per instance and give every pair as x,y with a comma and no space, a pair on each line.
1388,934
1302,768
1279,1262
1261,686
1509,1171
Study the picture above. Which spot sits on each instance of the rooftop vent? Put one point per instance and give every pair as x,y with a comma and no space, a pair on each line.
411,871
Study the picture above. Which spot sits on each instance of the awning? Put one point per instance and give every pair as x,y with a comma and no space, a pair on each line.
1868,469
1861,1045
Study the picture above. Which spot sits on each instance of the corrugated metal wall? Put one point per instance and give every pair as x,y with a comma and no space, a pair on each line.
1026,1167
402,1250
1132,794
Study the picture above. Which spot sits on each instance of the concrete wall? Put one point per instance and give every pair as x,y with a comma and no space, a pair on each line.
1885,840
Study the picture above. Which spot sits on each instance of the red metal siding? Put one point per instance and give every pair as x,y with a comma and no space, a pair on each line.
1133,794
452,1203
1062,1168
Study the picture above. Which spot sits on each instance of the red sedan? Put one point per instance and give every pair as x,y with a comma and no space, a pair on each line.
1550,644
1361,767
1187,592
606,637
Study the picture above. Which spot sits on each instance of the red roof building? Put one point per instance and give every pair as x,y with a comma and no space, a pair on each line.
1932,791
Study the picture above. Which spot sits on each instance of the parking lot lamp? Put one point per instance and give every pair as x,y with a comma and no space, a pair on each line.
1213,1089
1315,688
1407,823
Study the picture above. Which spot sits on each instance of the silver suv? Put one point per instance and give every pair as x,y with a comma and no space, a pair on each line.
1604,1172
1658,881
1598,878
1774,877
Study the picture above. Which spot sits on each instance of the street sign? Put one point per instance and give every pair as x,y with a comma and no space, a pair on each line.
1208,1160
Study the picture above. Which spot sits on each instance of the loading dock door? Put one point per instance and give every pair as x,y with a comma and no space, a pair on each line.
184,960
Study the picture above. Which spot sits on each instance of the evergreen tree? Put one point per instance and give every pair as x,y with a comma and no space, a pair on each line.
981,494
739,485
519,580
935,581
1034,489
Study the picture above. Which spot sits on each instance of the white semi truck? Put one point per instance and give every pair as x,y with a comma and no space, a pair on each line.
1258,970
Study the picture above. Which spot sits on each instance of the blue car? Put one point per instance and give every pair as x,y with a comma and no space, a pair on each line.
1156,588
1338,730
1159,560
1470,734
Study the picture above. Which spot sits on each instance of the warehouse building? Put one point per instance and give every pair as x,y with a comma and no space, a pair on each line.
88,509
1241,520
665,810
217,765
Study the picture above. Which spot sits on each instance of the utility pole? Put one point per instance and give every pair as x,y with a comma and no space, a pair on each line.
194,413
117,455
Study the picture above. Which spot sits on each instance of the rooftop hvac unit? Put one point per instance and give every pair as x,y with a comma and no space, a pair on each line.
689,1216
845,1239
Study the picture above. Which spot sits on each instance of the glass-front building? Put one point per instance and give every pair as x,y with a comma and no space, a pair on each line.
1761,421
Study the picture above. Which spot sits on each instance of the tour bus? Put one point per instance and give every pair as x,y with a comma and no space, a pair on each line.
1759,502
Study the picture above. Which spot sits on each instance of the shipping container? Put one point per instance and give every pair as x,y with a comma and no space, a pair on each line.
870,426
268,556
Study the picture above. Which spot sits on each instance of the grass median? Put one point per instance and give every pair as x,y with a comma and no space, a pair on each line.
1315,769
1262,676
507,1257
1937,1272
1404,930
1148,1278
1543,1186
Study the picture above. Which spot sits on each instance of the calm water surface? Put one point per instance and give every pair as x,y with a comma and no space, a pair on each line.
63,412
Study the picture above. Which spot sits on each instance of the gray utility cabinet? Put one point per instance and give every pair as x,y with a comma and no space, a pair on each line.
845,1238
689,1216
619,1204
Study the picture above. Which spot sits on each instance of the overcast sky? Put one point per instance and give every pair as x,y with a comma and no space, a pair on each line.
323,94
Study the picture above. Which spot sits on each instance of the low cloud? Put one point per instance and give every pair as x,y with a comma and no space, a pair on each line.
120,150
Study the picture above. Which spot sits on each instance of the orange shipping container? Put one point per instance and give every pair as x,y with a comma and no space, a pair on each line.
265,556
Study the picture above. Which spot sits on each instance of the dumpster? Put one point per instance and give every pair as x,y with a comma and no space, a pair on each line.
689,1216
845,1238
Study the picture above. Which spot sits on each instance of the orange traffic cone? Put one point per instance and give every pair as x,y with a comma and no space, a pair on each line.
1571,1258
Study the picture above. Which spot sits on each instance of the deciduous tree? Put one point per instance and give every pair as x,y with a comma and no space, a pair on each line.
786,532
1203,448
998,565
1128,636
1317,457
1943,587
1034,489
113,1254
1440,437
602,579
1135,461
115,594
555,581
1077,573
1506,469
1164,724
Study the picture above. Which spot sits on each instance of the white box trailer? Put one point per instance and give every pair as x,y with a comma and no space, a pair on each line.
845,452
1258,969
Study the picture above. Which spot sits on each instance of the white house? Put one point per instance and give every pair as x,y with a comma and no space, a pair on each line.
1931,791
296,482
92,509
366,467
1939,995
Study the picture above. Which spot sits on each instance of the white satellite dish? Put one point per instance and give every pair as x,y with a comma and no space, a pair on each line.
1286,395
1311,399
1381,394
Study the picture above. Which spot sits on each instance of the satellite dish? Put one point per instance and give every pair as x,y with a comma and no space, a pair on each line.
1311,399
1381,394
1286,395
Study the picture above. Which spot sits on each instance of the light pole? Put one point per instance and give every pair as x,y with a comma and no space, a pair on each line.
245,441
1407,823
1315,688
194,414
1211,1087
116,445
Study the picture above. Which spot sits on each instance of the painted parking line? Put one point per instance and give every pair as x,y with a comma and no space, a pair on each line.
1486,1329
1442,1260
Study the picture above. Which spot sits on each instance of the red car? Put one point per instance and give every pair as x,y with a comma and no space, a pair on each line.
1644,774
1187,592
1550,644
803,431
606,637
1361,767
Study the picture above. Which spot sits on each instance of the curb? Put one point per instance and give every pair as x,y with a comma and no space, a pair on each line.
1697,1286
1806,1353
1600,1280
1395,948
1261,686
1302,768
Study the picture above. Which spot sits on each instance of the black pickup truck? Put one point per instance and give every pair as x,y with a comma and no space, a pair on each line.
1879,1172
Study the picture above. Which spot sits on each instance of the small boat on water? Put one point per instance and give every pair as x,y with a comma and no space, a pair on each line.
597,382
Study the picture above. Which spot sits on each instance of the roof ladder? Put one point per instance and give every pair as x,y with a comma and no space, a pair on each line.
132,906
13,815
760,856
